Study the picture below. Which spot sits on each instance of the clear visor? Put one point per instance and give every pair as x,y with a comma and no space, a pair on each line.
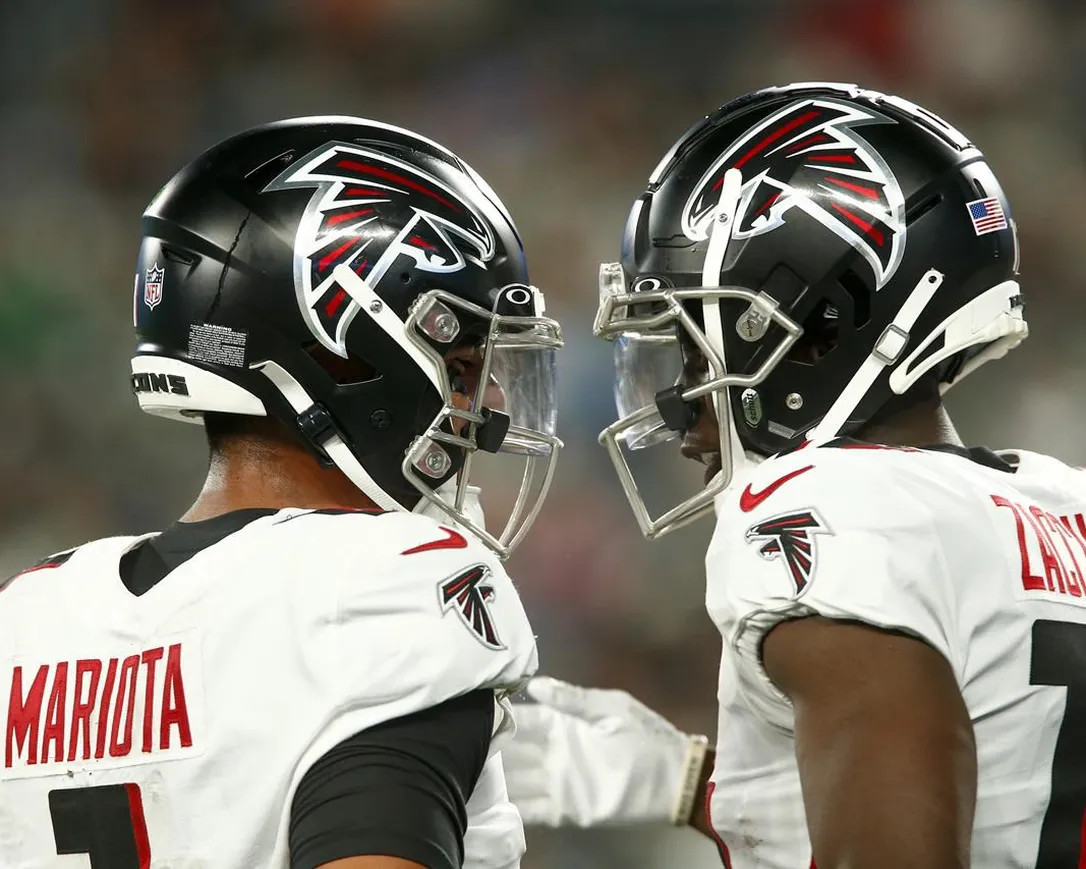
507,436
645,364
523,378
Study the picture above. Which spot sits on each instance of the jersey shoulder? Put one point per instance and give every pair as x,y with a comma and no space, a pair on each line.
86,557
857,534
408,607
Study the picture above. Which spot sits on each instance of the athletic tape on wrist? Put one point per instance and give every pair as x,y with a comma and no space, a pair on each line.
696,749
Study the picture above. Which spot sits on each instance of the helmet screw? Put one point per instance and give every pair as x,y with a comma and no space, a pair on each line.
446,327
381,419
437,462
376,306
794,401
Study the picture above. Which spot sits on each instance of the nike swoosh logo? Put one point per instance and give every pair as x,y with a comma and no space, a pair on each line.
748,500
452,541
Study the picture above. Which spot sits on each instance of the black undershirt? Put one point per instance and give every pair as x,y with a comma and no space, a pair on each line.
399,789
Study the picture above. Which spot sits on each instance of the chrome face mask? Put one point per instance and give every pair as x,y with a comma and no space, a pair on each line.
649,385
513,410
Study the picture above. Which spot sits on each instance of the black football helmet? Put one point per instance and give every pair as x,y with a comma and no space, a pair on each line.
818,213
349,238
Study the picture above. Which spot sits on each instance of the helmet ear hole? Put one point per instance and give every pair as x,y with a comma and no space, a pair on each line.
820,335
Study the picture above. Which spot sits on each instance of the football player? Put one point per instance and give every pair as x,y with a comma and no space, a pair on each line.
903,618
310,667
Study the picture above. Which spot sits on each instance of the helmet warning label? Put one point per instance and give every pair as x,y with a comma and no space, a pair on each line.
219,345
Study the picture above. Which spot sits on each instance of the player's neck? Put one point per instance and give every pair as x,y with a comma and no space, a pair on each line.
917,426
272,476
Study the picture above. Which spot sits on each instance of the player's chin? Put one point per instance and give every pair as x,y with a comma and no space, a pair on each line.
709,458
713,466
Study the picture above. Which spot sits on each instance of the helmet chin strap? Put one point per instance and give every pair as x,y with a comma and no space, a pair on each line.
300,401
732,457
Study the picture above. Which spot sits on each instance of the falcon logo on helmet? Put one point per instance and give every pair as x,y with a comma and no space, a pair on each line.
369,209
809,156
791,538
467,593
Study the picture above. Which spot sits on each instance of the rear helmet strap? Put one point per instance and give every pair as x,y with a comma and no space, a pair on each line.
300,401
886,353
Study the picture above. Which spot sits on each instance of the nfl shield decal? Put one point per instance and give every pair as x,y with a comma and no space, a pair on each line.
152,286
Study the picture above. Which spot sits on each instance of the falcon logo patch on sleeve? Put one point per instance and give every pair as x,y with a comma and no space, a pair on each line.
468,593
791,538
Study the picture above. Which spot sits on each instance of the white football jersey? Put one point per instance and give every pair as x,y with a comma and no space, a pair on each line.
982,559
171,729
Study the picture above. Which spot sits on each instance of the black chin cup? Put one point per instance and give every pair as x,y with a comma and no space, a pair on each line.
490,436
678,415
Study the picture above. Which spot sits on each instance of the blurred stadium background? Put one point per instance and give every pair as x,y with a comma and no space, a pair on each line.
564,106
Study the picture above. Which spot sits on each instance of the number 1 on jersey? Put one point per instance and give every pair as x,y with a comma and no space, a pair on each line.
1059,658
106,823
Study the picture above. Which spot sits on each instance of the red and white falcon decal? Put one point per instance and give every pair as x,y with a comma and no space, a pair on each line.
809,156
467,593
790,537
368,209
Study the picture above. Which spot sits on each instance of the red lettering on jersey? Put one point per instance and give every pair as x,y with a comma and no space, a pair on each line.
174,708
82,709
1054,575
150,658
1030,581
54,715
120,736
51,722
23,715
103,709
1059,542
1073,571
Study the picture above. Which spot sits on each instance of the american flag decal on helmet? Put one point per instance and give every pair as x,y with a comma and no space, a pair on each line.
790,537
809,156
468,594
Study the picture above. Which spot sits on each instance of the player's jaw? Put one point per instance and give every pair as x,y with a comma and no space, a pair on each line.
701,442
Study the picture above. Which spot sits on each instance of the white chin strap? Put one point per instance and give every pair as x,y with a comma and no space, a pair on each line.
337,451
886,353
